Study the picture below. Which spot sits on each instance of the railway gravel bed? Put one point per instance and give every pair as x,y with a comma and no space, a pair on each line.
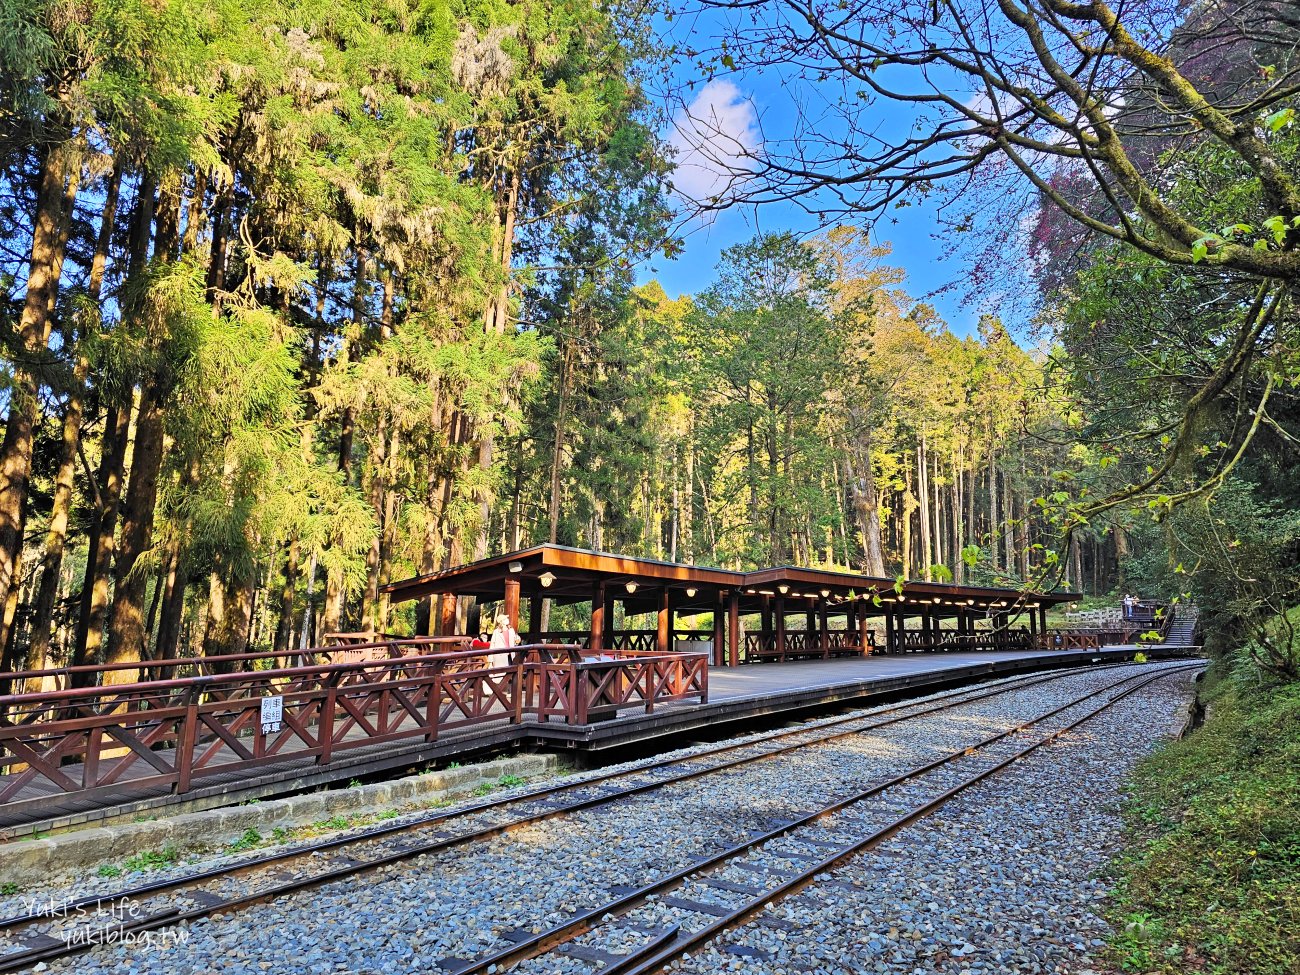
443,910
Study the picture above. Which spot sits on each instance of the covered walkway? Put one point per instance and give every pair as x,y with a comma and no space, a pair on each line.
777,614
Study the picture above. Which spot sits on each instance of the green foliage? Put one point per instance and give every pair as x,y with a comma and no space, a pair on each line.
1213,883
168,856
251,839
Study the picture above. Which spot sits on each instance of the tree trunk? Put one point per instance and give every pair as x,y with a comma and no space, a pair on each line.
284,627
126,635
99,555
54,197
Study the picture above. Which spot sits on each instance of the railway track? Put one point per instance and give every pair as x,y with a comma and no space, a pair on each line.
36,938
781,862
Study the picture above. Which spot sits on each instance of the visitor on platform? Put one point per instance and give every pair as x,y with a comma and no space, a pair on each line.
1128,606
504,637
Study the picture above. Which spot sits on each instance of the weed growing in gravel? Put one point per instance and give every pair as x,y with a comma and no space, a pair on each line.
109,870
251,838
1212,882
9,888
153,859
510,781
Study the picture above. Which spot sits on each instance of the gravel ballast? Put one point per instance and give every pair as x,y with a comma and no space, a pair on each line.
1000,879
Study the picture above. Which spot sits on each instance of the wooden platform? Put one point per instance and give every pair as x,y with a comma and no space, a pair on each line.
737,696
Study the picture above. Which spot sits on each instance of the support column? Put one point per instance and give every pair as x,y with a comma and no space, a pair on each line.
719,629
780,627
1042,620
447,614
823,627
733,629
597,639
664,633
864,624
608,641
511,608
900,630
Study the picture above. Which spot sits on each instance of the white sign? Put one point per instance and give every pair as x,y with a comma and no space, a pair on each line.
272,714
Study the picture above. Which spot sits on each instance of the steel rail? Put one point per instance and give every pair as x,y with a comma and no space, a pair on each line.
647,963
168,917
546,941
380,832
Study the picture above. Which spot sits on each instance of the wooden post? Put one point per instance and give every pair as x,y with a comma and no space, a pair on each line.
823,627
719,629
665,622
597,641
1042,620
863,628
780,628
733,629
511,608
608,642
447,614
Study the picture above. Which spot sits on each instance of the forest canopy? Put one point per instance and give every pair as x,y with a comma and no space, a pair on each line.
302,298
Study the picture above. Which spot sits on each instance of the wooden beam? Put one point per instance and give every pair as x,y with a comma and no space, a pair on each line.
780,627
664,633
823,627
447,614
512,603
719,629
598,615
733,629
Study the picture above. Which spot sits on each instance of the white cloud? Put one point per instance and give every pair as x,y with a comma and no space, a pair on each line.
714,136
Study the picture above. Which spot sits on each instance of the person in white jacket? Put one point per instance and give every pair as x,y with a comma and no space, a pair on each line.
504,637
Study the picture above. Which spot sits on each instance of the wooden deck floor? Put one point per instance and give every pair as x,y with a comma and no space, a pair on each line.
736,695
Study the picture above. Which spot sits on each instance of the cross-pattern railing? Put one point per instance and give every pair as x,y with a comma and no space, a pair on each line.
173,733
807,644
921,641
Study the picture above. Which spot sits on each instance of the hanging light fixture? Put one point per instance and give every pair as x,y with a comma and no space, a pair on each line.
783,588
825,593
546,578
690,592
630,586
516,567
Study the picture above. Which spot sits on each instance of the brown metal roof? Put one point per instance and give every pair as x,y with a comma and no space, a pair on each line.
572,572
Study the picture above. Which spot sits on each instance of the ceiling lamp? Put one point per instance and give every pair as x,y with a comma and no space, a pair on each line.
630,586
546,578
690,592
516,567
970,602
783,588
825,593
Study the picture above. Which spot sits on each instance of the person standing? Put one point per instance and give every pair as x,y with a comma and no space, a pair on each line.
504,637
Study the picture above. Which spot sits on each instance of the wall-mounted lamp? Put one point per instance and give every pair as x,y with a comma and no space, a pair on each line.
690,592
783,588
516,567
546,578
630,586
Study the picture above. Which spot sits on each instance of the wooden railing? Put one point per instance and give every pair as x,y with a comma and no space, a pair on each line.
806,644
173,668
1069,639
173,733
917,641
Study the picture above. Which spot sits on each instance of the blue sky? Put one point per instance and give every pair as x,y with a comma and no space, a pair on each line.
749,107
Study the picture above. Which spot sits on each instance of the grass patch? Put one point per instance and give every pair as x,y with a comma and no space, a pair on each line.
1211,882
168,856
